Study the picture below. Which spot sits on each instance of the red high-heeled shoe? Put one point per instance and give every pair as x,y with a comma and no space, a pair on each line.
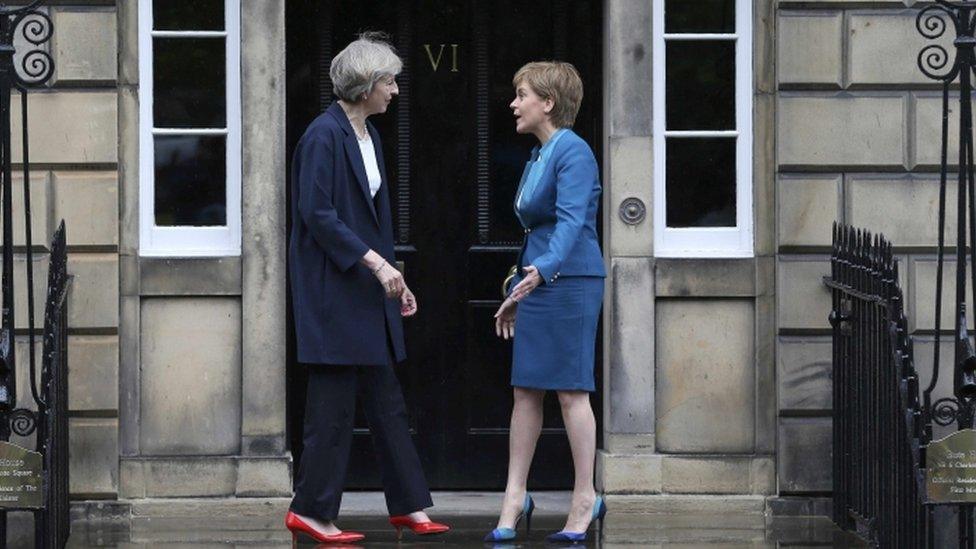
298,526
420,528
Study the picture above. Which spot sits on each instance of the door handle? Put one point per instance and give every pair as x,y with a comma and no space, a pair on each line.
507,281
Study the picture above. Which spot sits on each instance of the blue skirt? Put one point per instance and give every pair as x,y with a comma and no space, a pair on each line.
555,335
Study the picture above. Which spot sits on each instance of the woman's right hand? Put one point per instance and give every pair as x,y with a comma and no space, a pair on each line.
391,279
505,319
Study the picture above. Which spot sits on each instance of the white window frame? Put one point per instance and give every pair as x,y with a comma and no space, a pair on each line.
706,241
191,241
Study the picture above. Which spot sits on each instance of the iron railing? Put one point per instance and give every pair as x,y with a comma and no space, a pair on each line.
876,421
52,523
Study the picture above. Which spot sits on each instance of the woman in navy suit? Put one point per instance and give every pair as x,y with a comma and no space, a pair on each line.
553,310
348,301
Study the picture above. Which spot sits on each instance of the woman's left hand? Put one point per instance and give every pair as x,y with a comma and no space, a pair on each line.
530,282
408,303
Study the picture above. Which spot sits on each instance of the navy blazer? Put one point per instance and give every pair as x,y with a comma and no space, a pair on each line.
559,216
342,314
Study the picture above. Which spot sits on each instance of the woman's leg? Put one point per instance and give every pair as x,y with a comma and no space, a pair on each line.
327,436
581,429
522,438
404,483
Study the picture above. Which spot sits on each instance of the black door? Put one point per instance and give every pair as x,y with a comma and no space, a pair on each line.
454,161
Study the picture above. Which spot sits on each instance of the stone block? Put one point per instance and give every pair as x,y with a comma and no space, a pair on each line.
42,224
766,406
93,372
186,276
810,47
128,45
628,473
705,376
263,242
923,277
179,477
928,130
264,477
803,301
713,475
878,35
93,456
89,204
630,169
713,277
39,265
191,368
764,45
905,209
93,300
630,375
68,127
808,206
764,174
128,170
615,443
805,373
84,45
842,130
805,455
629,56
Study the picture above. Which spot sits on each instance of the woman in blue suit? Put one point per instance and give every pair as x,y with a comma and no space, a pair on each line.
553,310
348,301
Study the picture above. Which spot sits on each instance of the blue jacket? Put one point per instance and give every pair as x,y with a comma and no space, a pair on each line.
559,217
339,305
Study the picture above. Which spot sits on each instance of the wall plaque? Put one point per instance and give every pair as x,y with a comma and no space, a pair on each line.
20,477
951,468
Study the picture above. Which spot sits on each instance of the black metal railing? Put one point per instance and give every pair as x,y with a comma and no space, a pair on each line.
876,410
52,523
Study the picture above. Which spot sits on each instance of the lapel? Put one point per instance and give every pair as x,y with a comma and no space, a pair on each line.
354,154
534,156
382,194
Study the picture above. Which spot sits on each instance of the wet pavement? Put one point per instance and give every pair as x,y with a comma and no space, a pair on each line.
627,530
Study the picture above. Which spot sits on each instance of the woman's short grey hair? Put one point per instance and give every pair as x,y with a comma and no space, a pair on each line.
357,68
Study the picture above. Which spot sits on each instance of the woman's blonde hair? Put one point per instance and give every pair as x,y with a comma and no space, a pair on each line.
556,80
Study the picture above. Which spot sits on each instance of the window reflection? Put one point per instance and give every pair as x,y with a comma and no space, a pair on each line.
700,182
189,78
190,180
184,15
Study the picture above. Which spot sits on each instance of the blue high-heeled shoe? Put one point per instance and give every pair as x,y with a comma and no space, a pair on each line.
564,536
508,534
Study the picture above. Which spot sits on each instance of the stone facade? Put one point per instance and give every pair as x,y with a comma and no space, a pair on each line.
857,141
717,371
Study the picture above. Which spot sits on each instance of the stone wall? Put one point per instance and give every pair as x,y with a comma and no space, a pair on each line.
203,339
858,135
689,378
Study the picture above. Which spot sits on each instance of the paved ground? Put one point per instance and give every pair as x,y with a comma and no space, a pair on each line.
696,522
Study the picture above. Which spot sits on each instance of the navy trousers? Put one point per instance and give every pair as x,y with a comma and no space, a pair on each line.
329,412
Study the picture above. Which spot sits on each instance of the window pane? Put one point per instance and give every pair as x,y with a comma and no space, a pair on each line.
188,15
700,82
699,16
700,182
189,88
191,173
